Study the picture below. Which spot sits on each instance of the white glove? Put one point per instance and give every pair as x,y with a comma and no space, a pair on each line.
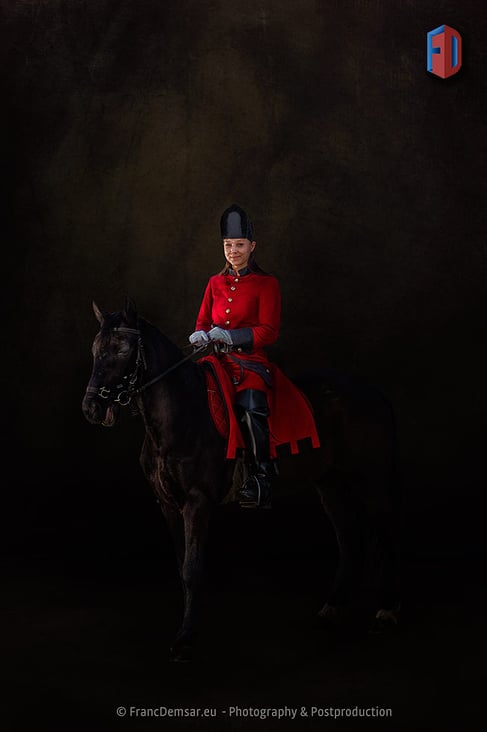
222,335
199,338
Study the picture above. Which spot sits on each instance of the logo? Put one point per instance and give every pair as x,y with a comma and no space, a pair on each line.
444,48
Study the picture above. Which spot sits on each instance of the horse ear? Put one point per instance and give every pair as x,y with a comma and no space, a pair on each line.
99,314
130,312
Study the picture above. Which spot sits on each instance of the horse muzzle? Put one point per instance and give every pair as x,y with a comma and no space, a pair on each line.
99,413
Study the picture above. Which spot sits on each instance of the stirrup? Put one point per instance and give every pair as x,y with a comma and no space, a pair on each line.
252,495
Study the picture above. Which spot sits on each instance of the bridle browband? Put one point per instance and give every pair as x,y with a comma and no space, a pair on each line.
128,387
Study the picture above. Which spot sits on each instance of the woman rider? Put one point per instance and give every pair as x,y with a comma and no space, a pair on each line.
240,314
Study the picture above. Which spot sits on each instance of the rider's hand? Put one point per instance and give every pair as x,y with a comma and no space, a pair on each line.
221,335
199,338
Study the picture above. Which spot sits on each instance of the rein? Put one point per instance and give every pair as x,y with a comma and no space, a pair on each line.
126,394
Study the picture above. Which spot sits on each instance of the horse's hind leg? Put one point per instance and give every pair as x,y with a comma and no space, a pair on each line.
196,514
389,602
346,514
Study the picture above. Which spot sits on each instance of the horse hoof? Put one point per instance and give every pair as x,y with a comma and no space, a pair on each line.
181,654
385,622
327,612
180,658
181,650
333,616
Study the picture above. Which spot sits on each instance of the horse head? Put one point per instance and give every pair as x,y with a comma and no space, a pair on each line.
117,358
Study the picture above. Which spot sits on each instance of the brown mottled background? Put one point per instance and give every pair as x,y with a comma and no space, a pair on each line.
130,126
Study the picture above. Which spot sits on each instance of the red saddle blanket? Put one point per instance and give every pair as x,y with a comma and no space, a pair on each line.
291,417
220,402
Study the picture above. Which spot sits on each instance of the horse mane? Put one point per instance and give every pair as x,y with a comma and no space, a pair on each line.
146,327
118,320
190,373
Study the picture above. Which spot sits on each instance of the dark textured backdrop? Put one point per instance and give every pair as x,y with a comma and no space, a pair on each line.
132,125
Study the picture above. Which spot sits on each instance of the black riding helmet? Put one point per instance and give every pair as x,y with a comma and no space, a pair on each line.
235,224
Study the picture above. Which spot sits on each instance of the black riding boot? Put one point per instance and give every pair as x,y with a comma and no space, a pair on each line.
253,411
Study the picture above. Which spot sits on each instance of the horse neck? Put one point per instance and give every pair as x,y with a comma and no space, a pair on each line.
169,401
159,351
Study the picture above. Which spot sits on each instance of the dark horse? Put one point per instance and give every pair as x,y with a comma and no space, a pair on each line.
183,459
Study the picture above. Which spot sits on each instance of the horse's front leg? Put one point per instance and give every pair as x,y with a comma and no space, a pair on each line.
196,515
175,524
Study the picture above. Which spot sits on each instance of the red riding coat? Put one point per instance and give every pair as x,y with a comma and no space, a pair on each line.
253,301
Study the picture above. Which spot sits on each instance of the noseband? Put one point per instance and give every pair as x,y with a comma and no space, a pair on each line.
128,386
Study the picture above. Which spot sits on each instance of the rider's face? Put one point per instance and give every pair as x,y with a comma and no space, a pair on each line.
237,252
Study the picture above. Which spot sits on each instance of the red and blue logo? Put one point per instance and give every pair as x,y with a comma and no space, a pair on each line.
444,48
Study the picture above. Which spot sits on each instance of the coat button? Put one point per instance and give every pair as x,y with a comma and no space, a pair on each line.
227,322
233,287
228,310
230,299
239,350
236,279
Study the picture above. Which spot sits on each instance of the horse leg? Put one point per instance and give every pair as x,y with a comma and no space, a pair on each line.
346,514
151,465
387,616
175,524
196,515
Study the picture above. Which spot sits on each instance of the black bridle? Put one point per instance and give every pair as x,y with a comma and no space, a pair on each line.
128,387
